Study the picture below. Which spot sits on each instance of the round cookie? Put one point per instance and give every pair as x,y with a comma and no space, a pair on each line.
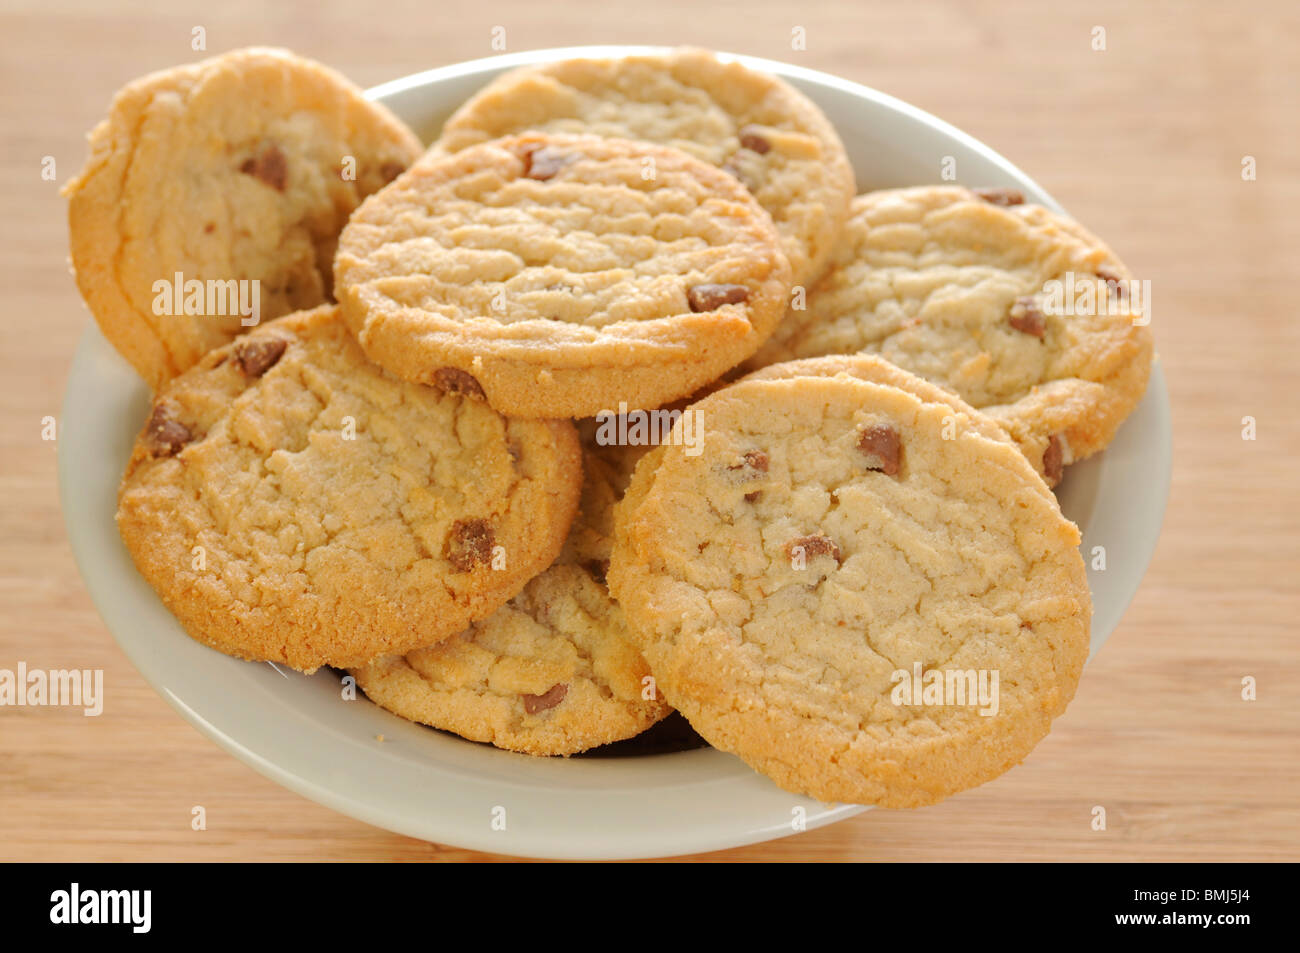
754,125
953,285
550,673
786,583
238,169
562,275
291,502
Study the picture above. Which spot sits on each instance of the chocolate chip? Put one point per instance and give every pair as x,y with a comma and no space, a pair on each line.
1000,196
754,460
757,461
165,435
814,546
543,163
598,568
883,448
711,297
1054,460
535,703
453,380
391,170
469,544
1026,316
754,141
1114,281
256,356
270,167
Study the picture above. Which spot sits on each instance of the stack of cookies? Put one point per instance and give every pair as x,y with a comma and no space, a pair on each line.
615,401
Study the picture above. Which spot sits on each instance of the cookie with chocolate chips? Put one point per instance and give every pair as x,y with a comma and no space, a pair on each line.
753,125
550,673
559,276
292,502
228,181
837,537
1017,309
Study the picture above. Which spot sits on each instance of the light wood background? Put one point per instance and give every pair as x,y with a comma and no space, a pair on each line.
1144,142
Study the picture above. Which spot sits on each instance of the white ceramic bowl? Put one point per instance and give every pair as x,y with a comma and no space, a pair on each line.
299,730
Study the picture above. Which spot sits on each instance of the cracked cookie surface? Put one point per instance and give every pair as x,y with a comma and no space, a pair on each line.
561,275
290,501
241,167
876,370
752,124
949,283
551,672
830,535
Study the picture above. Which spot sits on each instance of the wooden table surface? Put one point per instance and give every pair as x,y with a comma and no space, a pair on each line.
1144,141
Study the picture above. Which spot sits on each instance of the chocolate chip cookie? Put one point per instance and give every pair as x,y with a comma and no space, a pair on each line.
290,501
558,275
837,549
752,124
550,673
213,198
1017,309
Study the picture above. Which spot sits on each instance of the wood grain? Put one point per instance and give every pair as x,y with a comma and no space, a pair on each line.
1143,142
